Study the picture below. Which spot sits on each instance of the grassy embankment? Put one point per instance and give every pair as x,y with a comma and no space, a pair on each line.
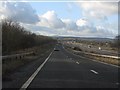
79,51
16,40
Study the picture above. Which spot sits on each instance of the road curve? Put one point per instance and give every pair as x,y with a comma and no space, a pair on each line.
65,70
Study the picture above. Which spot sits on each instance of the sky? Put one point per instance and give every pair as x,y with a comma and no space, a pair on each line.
98,18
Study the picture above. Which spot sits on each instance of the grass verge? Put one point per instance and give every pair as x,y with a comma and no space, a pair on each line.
12,64
99,58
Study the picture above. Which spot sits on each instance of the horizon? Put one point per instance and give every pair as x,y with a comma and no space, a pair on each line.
84,37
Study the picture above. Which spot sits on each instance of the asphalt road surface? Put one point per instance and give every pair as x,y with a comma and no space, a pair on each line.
65,70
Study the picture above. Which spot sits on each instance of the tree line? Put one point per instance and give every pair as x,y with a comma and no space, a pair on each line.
15,37
113,43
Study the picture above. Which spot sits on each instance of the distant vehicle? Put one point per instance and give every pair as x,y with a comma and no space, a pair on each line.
55,49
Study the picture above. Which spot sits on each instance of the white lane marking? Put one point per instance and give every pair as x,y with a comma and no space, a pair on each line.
27,83
117,83
77,62
94,71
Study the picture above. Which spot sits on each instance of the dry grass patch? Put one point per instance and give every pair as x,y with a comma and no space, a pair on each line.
99,58
106,60
12,64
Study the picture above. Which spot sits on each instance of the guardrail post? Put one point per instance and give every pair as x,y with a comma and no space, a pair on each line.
20,57
16,56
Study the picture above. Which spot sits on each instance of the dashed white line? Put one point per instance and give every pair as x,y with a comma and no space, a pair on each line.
117,83
94,71
77,62
27,83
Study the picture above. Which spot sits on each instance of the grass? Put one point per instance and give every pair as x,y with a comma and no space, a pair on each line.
11,65
104,59
99,58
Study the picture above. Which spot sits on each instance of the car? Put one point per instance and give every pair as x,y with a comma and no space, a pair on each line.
56,49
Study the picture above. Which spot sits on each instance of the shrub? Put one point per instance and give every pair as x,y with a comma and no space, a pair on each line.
77,49
15,38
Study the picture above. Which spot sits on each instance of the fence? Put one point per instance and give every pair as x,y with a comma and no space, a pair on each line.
15,56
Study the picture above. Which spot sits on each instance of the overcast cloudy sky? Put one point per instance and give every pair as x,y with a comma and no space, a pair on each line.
82,19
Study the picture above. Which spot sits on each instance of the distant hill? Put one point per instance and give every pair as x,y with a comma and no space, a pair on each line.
85,38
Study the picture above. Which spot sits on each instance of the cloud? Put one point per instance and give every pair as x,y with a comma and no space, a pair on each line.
69,24
42,30
97,31
50,24
82,22
18,11
50,19
98,10
69,7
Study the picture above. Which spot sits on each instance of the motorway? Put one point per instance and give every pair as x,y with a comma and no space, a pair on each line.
65,70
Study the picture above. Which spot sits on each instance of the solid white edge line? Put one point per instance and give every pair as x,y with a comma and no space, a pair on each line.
94,71
92,59
27,83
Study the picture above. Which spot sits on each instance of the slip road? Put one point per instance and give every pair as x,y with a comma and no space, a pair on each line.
65,70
